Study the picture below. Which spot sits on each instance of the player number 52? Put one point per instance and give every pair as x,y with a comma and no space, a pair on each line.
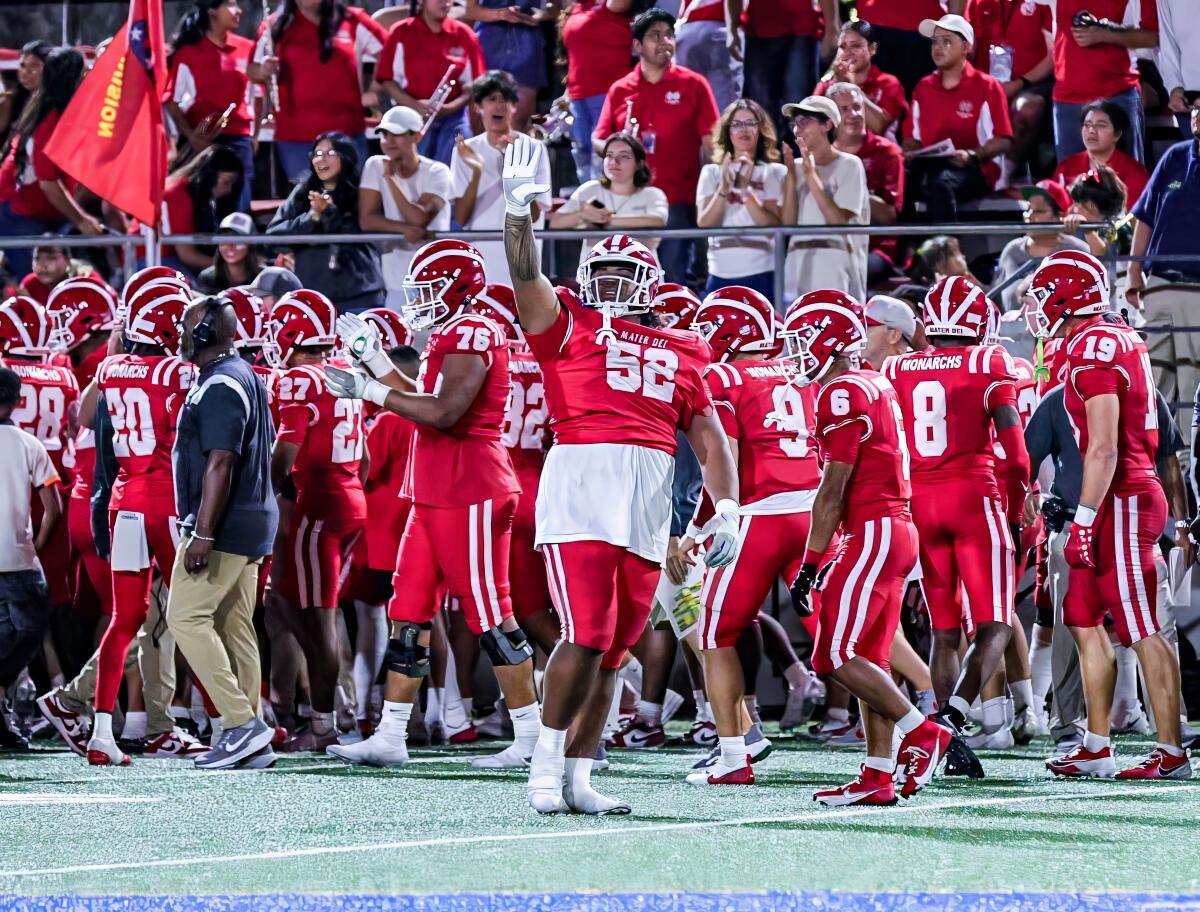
649,371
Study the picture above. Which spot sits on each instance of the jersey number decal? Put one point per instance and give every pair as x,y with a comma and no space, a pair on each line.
347,433
901,439
1102,348
788,416
634,369
294,387
929,417
42,411
133,423
474,338
525,419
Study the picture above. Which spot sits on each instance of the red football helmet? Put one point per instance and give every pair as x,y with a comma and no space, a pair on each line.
155,317
619,294
736,319
956,307
499,304
443,279
1063,287
300,318
675,305
79,308
150,275
392,330
251,315
24,328
821,327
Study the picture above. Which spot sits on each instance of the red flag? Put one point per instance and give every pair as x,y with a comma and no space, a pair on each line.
111,137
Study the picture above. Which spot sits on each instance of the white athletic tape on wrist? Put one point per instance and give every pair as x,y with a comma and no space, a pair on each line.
376,392
726,505
1084,516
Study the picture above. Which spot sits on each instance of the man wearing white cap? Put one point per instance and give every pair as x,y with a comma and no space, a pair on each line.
968,108
831,189
402,192
892,329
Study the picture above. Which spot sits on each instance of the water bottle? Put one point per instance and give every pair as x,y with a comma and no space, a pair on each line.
1001,63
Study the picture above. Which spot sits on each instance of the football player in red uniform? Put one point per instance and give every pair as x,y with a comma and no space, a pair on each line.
463,489
320,445
143,391
767,418
1110,400
616,391
952,394
865,490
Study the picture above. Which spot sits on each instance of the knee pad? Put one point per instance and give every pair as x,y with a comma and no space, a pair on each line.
506,647
406,656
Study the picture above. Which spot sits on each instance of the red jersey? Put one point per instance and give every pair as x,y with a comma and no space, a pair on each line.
85,438
1019,25
771,419
206,79
330,434
144,394
1108,357
1026,389
859,422
781,18
527,418
946,396
1083,74
899,15
47,394
416,58
1132,172
467,463
635,390
389,441
598,43
22,189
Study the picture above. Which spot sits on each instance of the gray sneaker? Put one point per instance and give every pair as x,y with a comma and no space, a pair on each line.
237,744
260,760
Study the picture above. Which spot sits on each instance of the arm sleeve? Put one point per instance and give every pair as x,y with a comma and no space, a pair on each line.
997,103
912,124
43,168
221,416
606,124
42,473
385,69
372,174
892,98
891,188
659,207
706,108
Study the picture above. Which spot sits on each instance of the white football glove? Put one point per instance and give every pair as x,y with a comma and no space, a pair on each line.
522,160
721,534
364,344
355,385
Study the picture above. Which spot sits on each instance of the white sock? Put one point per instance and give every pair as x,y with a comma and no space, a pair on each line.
1170,749
135,725
304,710
733,752
883,764
708,713
433,705
911,722
1094,742
370,643
838,715
102,727
701,705
578,771
993,714
926,702
468,705
1125,694
527,725
614,710
1039,662
649,713
548,760
393,724
1023,694
960,704
322,723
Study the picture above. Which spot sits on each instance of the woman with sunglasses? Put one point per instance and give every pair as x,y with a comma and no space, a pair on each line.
1103,127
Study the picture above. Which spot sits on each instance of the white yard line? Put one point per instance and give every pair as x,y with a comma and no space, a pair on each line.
55,798
611,832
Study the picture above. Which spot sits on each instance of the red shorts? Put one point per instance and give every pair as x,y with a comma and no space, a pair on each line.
1124,582
603,595
966,554
384,528
318,551
90,566
527,570
862,592
463,550
771,547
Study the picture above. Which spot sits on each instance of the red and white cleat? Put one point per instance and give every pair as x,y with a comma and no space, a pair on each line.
70,725
639,736
281,736
920,753
701,734
468,735
174,745
872,787
720,774
1158,764
1085,764
106,753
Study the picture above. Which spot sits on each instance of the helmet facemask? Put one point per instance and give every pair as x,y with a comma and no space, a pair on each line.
1039,324
424,305
616,294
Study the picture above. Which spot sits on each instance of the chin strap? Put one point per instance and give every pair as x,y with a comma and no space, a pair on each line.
605,334
1040,371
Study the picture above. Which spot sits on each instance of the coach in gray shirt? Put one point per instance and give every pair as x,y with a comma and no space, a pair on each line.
228,519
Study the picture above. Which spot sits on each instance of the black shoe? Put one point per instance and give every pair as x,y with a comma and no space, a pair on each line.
132,745
11,740
961,760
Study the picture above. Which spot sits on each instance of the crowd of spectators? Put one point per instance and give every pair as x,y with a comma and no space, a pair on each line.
713,114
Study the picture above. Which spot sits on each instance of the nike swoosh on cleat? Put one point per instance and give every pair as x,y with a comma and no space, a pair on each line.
234,745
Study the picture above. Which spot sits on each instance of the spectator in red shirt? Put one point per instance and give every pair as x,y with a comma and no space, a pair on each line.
896,28
51,265
29,80
884,101
207,84
1103,127
597,38
1095,61
418,53
884,164
35,197
671,111
785,43
970,110
1013,43
314,50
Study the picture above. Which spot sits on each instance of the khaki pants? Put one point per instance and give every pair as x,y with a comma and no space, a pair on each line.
211,614
155,661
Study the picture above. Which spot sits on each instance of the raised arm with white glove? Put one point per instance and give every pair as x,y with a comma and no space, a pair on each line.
522,158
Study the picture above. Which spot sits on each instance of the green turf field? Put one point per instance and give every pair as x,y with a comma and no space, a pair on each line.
313,825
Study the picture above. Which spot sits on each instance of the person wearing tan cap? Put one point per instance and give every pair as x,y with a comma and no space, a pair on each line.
831,189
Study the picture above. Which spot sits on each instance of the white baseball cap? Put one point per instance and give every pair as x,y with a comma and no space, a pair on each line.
401,120
236,223
951,23
884,310
815,104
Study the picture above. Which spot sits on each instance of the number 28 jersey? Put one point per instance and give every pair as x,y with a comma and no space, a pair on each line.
635,390
47,393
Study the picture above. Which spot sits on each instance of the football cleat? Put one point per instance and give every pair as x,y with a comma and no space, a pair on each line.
720,774
173,745
1158,764
374,751
545,794
801,703
1001,739
1030,724
587,800
236,744
1084,764
106,753
701,734
961,760
308,741
1130,720
639,736
512,757
920,753
826,729
495,725
872,787
70,725
264,758
468,735
852,737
